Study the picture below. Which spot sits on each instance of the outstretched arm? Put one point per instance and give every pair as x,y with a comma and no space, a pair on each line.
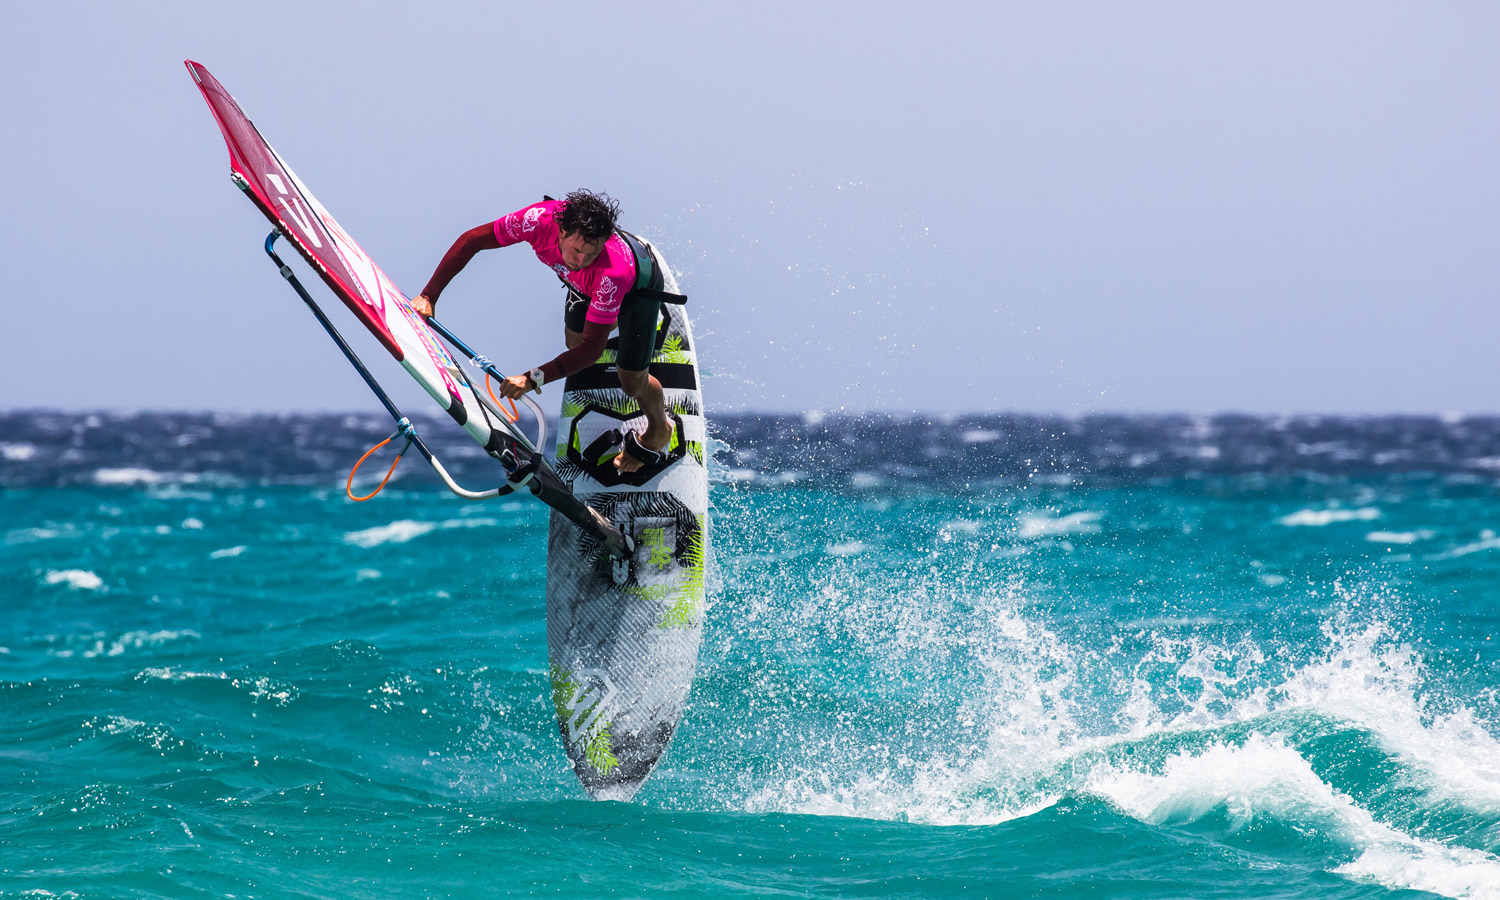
458,256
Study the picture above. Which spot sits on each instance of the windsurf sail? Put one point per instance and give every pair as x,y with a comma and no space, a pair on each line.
272,186
264,177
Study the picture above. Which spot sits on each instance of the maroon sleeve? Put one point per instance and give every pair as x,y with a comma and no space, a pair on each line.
580,357
458,256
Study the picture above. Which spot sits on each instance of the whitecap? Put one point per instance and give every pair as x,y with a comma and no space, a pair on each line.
1316,518
1487,541
1264,778
468,523
1030,525
228,552
1398,537
398,532
138,640
77,579
18,451
966,526
192,524
27,535
128,476
259,688
846,548
979,436
1426,866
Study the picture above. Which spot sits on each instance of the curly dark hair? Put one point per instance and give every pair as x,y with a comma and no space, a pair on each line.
589,214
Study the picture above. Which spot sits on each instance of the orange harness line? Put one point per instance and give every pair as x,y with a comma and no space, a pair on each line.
349,485
514,415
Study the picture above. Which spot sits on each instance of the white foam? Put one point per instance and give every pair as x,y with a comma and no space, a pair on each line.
1030,525
100,644
1487,541
468,523
114,725
1023,740
1022,711
1316,518
137,640
1376,682
28,535
1426,866
129,476
77,579
398,532
846,548
167,673
228,552
259,688
1264,778
1399,537
192,524
18,451
979,436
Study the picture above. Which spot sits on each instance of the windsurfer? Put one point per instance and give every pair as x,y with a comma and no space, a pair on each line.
600,266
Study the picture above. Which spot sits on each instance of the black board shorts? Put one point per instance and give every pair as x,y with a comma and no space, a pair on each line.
637,324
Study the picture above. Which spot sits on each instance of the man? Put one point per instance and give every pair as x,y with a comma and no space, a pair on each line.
576,237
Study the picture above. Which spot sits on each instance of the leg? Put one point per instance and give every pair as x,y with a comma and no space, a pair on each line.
646,391
638,322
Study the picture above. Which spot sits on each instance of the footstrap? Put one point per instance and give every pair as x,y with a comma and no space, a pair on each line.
640,453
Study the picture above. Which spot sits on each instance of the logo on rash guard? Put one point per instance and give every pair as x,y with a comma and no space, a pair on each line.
532,216
512,223
605,299
560,269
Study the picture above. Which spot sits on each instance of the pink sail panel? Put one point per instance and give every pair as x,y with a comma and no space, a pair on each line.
283,199
343,264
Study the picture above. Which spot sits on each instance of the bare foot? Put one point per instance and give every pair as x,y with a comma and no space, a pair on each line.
655,438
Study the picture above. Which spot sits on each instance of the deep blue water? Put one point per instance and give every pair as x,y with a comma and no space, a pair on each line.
999,656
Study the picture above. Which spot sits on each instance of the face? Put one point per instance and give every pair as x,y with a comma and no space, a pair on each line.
579,252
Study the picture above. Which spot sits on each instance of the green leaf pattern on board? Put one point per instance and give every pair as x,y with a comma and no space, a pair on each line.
598,747
671,351
687,596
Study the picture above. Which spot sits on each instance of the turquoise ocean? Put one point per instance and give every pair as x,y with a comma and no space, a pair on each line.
973,656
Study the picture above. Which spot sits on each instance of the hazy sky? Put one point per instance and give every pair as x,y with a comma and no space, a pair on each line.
1048,207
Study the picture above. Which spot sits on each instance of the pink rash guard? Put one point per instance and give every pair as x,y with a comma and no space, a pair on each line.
605,282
